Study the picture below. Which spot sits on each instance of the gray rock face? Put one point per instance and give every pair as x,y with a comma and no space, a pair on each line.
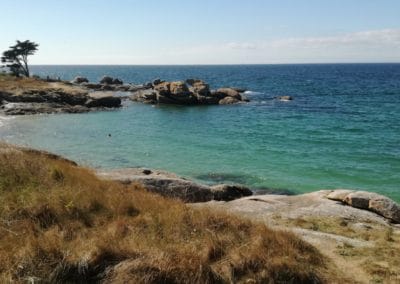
106,87
56,97
228,101
171,186
106,80
339,194
36,108
207,100
229,92
102,100
225,192
374,202
92,86
80,80
117,81
64,98
185,190
385,207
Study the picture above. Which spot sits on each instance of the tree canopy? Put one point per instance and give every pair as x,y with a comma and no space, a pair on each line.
16,58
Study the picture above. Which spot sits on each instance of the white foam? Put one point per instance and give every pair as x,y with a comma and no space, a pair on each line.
252,93
4,119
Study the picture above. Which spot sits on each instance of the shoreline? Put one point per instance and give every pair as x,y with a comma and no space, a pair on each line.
173,186
211,180
336,223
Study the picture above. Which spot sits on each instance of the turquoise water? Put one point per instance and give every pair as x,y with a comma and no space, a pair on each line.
341,131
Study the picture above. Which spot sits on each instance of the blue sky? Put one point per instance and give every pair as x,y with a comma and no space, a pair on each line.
204,31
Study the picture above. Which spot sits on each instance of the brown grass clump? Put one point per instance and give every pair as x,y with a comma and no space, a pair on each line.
60,223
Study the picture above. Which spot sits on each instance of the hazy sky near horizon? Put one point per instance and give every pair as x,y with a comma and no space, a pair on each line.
204,31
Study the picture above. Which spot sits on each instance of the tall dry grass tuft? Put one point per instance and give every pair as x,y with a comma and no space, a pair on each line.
60,223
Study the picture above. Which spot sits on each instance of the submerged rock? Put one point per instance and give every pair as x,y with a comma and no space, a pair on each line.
285,98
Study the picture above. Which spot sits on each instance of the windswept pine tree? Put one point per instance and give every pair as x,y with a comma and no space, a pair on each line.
16,58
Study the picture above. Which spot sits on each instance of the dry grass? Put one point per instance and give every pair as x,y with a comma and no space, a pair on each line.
381,262
59,223
20,85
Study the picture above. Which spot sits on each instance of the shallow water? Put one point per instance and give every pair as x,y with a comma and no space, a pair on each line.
341,130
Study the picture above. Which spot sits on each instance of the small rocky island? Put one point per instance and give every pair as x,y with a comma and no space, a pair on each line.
190,92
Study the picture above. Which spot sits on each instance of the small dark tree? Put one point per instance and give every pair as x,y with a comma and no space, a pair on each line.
16,58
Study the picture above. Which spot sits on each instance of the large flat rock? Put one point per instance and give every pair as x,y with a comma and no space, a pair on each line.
172,186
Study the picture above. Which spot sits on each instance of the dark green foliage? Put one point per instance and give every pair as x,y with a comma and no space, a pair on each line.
16,58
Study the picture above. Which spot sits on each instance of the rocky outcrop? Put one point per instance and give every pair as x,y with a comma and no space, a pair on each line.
172,186
145,96
92,86
55,100
36,108
107,80
229,92
228,101
190,92
80,80
374,202
99,99
157,81
117,81
226,192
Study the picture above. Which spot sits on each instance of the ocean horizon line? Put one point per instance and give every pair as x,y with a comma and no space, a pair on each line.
225,64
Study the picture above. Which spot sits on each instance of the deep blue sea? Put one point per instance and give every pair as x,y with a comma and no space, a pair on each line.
342,130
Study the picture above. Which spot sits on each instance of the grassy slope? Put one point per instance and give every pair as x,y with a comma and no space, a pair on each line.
58,222
19,85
